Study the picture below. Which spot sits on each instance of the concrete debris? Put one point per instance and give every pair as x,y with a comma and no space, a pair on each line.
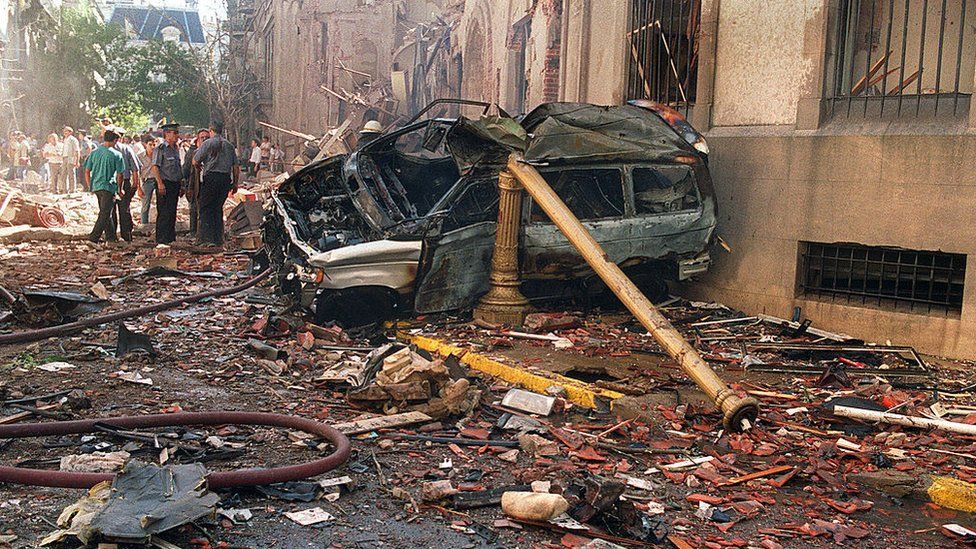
310,517
533,505
95,462
530,402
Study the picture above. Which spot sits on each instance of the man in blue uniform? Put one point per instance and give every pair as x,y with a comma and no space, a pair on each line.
168,173
217,161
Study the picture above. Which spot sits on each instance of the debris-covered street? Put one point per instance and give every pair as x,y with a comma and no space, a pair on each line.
481,274
633,449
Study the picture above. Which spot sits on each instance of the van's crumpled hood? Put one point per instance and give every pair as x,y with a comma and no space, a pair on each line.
557,133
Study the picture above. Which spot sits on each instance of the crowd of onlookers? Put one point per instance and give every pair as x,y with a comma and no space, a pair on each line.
117,166
60,158
57,160
264,155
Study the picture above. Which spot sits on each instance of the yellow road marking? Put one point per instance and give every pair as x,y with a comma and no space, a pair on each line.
577,391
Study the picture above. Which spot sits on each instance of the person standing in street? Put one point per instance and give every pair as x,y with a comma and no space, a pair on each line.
254,162
148,180
130,182
266,153
85,147
217,161
71,158
103,176
22,154
53,153
168,173
191,175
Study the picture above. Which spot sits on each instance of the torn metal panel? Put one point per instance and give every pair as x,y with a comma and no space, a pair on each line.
388,263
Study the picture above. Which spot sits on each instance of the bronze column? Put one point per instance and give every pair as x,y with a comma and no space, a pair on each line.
504,302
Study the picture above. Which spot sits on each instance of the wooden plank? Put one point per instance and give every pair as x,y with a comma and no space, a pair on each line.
24,415
863,82
381,422
908,82
758,474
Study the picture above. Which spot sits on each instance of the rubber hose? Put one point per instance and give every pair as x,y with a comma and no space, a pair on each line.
65,329
243,477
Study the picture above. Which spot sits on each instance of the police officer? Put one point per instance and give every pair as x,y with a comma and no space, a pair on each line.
168,173
217,161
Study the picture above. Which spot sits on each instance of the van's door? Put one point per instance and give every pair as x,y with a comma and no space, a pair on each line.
456,259
596,196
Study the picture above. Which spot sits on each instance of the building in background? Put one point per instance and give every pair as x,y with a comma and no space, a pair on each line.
323,62
145,20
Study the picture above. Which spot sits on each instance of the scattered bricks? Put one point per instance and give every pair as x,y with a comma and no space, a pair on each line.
437,490
537,446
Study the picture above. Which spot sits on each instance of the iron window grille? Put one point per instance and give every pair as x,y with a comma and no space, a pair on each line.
663,42
912,280
897,58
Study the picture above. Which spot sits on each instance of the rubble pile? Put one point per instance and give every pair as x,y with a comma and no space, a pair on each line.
445,453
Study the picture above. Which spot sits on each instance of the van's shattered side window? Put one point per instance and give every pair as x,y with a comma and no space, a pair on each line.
589,194
663,189
478,204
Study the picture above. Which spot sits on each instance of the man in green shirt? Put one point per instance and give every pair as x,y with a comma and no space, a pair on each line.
103,174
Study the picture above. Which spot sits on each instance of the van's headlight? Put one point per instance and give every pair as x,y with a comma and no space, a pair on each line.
311,275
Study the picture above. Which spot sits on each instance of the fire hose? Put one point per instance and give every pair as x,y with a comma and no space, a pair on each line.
65,329
227,479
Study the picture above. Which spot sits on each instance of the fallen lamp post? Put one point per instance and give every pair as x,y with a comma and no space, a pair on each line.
738,412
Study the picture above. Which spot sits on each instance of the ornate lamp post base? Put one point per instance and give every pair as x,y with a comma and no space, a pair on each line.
504,302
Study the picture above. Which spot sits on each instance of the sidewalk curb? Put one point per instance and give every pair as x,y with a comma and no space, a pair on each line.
577,391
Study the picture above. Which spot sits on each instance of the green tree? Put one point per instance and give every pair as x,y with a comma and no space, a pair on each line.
68,66
158,78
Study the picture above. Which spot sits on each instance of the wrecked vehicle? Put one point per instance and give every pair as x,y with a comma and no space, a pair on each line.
407,222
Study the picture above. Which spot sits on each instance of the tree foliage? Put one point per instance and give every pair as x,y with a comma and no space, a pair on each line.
158,78
67,66
84,69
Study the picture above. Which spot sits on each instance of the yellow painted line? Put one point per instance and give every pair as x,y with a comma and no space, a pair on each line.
577,391
952,493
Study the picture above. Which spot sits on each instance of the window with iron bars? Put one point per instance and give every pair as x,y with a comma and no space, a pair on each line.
897,58
663,42
895,278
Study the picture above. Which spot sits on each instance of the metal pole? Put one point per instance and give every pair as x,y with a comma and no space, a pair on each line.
738,412
504,302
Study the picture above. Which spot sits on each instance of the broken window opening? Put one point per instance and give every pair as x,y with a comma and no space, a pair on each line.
910,280
899,58
663,42
518,44
477,204
664,189
416,166
589,193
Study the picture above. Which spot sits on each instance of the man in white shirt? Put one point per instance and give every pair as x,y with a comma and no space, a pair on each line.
72,159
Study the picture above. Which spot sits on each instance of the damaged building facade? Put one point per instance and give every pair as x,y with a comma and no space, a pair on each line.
840,131
319,63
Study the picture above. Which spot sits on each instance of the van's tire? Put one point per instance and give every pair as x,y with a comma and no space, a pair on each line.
355,308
